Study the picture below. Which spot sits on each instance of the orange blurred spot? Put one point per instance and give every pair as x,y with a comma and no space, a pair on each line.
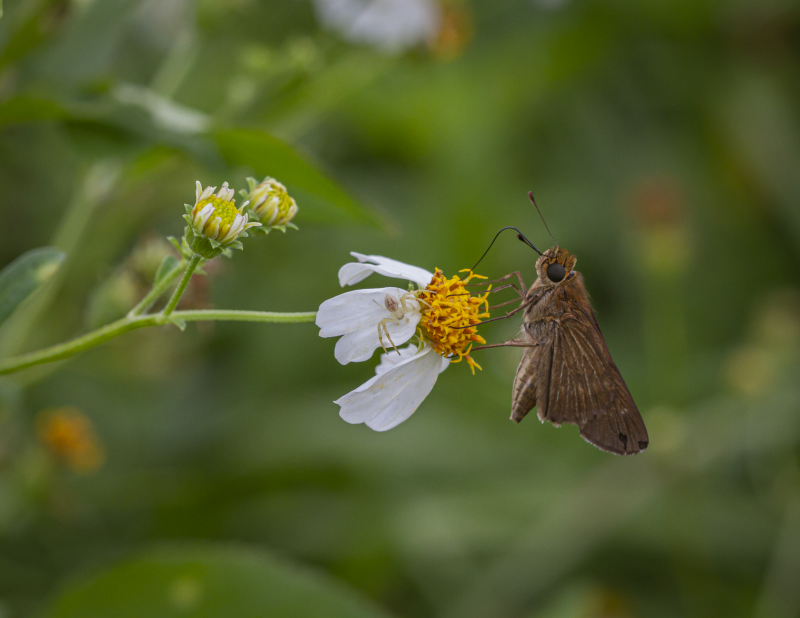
68,435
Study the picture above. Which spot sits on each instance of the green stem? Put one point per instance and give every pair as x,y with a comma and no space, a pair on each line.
158,289
245,316
129,323
176,295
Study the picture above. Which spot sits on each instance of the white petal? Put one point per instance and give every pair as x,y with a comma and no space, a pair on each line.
235,229
213,231
352,273
202,216
198,190
207,192
392,359
391,397
355,317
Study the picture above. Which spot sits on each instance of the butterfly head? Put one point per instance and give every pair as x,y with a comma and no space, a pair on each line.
554,265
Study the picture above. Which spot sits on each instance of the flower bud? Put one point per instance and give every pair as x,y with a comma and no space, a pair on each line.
271,204
214,222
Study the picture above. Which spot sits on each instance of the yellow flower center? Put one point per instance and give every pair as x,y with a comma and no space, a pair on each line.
223,209
450,315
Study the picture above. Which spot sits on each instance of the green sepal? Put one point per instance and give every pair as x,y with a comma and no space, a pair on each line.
252,183
202,246
244,193
179,323
235,245
189,209
293,226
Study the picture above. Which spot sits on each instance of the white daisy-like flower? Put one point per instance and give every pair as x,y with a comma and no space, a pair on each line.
402,382
441,313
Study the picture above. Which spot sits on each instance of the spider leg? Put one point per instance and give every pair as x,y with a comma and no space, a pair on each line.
382,324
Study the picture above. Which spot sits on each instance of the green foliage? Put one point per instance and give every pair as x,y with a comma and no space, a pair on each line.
323,200
24,275
662,142
207,581
166,266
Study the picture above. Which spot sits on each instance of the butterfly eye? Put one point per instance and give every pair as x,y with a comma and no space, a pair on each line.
556,272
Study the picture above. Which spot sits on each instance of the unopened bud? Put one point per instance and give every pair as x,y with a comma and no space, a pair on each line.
215,222
271,203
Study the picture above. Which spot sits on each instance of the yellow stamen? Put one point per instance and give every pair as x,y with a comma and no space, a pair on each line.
450,308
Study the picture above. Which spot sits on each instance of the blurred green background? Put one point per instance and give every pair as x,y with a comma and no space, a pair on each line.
662,141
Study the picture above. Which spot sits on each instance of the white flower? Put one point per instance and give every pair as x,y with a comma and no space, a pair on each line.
357,316
402,382
355,272
441,312
389,25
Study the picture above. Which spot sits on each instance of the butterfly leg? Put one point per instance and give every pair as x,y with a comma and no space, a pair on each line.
502,317
516,274
506,344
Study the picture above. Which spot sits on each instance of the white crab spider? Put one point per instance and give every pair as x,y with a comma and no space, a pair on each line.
397,311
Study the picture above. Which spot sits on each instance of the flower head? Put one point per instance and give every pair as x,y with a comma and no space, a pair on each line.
441,313
451,314
271,204
214,221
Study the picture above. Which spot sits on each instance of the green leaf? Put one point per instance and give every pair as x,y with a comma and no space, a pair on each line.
205,581
167,264
22,109
318,197
20,278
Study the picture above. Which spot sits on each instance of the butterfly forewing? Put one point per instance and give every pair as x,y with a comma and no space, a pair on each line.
569,373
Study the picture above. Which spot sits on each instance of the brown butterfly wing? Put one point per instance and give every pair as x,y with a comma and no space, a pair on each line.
533,376
573,379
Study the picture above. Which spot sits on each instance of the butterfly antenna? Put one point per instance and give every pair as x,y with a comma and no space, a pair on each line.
520,235
533,201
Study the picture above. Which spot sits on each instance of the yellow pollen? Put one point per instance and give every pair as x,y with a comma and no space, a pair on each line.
448,307
223,209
